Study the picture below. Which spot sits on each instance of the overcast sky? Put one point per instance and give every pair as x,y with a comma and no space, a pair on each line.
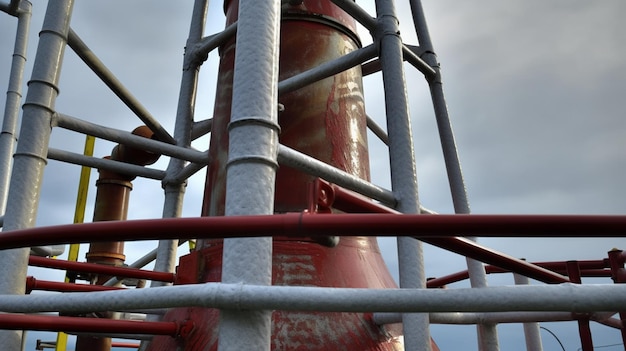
535,91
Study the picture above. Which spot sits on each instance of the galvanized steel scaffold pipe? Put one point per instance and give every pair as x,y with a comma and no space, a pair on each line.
8,137
30,156
175,188
487,334
243,297
251,167
402,164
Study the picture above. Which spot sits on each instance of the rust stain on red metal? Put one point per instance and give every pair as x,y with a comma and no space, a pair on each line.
325,120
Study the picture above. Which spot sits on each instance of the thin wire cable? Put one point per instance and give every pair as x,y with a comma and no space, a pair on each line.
556,337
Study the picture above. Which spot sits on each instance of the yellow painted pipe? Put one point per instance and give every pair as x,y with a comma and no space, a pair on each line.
79,217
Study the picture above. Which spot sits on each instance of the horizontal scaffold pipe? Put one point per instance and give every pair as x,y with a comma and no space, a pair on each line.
107,164
199,52
295,159
417,62
358,13
127,138
563,297
107,77
328,69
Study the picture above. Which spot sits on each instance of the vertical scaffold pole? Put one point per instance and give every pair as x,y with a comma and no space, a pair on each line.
402,163
8,134
30,157
175,191
251,168
532,333
487,334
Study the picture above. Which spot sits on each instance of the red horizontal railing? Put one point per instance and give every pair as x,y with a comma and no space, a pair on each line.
83,267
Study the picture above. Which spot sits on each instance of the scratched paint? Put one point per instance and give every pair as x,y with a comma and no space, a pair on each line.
325,120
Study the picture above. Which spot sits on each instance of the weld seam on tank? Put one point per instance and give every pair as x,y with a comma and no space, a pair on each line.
359,14
324,20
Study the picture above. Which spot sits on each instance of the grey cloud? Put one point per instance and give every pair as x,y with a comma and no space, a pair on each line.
535,92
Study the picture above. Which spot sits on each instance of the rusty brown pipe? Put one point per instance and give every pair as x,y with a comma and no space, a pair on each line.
112,195
112,199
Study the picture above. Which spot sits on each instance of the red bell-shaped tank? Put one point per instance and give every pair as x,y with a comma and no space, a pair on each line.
327,121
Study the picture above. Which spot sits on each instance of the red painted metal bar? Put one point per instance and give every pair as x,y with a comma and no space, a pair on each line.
583,265
557,267
306,225
617,259
346,200
471,249
100,269
332,195
425,227
11,321
448,279
585,273
584,330
125,345
36,284
561,266
596,273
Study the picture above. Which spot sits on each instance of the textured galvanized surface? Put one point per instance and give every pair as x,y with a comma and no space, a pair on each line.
30,157
402,165
8,136
562,297
251,167
488,336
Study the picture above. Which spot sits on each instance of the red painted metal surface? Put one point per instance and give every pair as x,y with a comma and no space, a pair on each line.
88,325
327,121
617,258
36,284
584,330
125,345
333,195
125,272
556,267
302,225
